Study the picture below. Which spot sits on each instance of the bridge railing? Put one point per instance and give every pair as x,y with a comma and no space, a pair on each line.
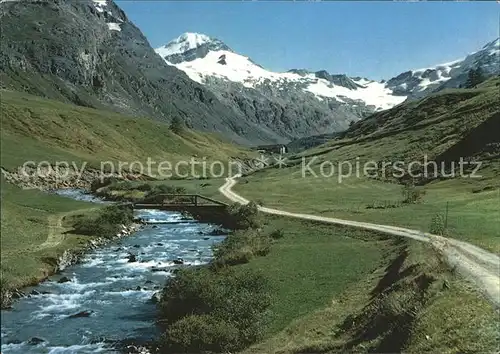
181,199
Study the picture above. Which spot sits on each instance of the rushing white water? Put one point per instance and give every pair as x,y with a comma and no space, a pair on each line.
115,292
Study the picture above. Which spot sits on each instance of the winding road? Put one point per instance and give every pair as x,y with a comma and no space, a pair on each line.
479,266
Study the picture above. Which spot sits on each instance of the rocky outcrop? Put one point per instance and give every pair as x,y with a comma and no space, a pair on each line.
57,177
90,54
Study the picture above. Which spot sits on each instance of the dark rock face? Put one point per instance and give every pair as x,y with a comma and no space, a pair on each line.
420,83
286,113
66,50
340,80
199,52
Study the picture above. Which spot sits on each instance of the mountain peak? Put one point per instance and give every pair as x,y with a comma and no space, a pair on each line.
189,46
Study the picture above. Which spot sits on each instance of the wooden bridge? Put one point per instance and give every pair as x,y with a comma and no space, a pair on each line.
178,201
202,208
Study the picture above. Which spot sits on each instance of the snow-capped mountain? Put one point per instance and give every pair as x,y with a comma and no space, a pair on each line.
205,58
420,82
190,46
288,105
299,102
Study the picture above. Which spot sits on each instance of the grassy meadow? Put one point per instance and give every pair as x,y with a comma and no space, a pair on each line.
38,129
437,126
406,303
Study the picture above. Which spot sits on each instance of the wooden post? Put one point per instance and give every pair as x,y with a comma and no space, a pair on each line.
446,217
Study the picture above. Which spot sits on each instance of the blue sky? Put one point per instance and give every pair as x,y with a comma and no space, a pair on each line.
371,39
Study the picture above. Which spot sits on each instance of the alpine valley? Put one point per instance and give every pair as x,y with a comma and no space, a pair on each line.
299,102
89,53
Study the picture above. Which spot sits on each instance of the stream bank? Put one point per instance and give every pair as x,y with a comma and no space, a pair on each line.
105,300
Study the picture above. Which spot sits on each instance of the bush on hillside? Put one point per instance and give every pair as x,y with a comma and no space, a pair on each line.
240,247
244,216
107,223
145,187
438,225
155,193
216,311
198,333
412,194
177,125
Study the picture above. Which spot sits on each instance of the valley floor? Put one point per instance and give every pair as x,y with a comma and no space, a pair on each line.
473,209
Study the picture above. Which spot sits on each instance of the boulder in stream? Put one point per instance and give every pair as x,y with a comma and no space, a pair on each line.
132,258
156,297
81,314
64,280
35,341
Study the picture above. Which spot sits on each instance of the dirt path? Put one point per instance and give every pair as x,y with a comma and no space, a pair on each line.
479,266
56,231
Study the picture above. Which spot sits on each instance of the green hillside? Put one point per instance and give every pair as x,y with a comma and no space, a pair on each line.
440,126
37,129
51,130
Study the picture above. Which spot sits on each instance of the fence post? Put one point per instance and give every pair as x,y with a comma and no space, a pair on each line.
446,216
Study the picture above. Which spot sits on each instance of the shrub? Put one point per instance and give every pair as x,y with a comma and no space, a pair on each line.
177,125
95,227
277,234
411,194
104,182
438,225
219,311
196,333
5,298
107,223
154,194
144,187
244,216
240,247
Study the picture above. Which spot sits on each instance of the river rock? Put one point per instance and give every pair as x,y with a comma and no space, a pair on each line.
137,246
64,280
206,238
178,261
132,258
159,244
158,269
35,341
81,314
217,232
156,297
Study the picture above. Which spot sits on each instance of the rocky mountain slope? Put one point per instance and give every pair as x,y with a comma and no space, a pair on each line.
421,82
310,103
325,102
89,53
